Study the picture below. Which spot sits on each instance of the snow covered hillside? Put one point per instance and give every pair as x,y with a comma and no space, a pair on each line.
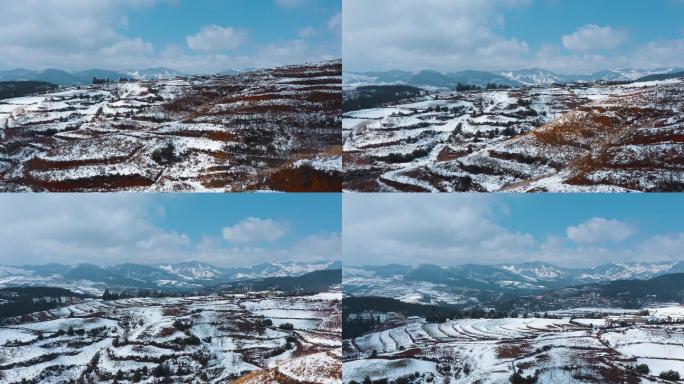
575,138
273,129
250,338
632,349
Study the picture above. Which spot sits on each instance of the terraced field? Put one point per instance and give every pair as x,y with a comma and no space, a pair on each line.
560,139
215,339
273,129
492,350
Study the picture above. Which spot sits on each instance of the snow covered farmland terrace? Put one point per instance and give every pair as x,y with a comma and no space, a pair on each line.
519,350
273,129
575,138
214,339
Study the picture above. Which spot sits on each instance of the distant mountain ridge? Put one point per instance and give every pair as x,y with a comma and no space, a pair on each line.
88,278
535,284
518,78
62,77
321,280
524,276
621,293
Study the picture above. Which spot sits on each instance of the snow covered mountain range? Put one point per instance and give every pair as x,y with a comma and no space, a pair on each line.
88,278
62,77
524,77
456,284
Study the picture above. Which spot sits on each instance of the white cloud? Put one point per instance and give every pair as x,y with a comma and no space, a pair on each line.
326,246
593,38
599,230
667,247
255,230
414,229
86,34
335,24
448,36
108,230
660,53
437,34
131,47
95,229
277,53
307,32
455,230
284,51
214,38
56,33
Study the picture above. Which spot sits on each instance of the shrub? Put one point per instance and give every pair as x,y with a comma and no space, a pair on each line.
286,326
669,375
518,378
165,155
642,369
182,326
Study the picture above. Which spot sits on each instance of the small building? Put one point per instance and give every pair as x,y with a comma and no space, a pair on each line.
381,317
624,320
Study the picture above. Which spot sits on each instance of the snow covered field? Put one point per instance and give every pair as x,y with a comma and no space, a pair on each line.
567,350
580,138
273,129
215,339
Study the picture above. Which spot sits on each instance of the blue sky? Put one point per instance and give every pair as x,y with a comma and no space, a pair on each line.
541,22
578,36
562,229
199,215
223,230
187,35
649,214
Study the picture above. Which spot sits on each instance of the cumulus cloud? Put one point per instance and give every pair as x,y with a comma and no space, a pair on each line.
95,230
599,230
665,247
107,230
325,246
437,34
335,24
135,46
307,32
317,247
593,38
454,230
214,38
441,230
448,36
67,33
86,34
255,230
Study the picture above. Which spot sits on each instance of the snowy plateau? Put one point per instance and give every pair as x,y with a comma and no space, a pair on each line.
265,130
580,137
558,349
240,338
514,323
